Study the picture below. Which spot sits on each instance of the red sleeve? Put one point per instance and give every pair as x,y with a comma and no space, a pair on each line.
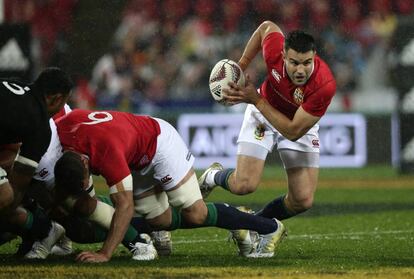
317,103
272,47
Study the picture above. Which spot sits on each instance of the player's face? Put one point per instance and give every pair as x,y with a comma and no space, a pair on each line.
299,66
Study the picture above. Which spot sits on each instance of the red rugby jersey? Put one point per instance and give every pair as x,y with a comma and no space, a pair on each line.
116,142
314,97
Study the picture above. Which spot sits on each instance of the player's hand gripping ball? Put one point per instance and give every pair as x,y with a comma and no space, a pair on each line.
223,72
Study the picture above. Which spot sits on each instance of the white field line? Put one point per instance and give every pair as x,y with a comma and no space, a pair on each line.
348,235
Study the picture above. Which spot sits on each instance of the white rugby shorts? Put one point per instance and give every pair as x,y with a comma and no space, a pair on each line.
172,160
258,131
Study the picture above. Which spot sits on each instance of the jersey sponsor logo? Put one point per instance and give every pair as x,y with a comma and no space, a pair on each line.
259,132
12,57
166,179
276,75
298,96
315,143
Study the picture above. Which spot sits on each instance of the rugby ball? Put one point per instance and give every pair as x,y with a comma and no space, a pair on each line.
223,72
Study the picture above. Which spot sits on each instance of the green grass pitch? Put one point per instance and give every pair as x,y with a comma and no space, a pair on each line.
361,226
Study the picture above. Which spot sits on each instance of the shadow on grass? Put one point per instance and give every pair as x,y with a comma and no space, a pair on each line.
327,209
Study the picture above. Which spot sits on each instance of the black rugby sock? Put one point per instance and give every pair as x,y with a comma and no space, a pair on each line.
230,218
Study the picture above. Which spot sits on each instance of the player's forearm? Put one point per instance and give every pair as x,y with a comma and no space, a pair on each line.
119,225
278,120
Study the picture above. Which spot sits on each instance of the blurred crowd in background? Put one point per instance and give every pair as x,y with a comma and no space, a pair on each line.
162,51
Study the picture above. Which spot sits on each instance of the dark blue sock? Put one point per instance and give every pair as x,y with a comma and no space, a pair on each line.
276,209
141,225
230,218
221,178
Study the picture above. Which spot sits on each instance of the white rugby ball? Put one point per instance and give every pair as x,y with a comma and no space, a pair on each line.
223,72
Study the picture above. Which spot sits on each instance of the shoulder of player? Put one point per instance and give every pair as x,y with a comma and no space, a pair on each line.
323,76
274,36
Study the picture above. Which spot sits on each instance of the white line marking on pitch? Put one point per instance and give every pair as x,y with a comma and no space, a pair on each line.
348,235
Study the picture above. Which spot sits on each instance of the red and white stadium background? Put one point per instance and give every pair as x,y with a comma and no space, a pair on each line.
212,138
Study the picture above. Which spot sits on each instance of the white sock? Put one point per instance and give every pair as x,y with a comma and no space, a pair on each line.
210,177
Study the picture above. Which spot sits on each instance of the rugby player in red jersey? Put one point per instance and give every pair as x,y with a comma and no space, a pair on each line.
283,113
113,144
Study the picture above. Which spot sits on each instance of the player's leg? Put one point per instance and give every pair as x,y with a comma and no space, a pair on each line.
240,181
301,161
195,213
35,225
302,184
255,141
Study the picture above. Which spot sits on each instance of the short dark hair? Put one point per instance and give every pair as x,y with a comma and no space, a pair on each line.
52,81
69,174
300,41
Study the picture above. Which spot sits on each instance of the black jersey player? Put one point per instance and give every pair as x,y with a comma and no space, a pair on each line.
25,110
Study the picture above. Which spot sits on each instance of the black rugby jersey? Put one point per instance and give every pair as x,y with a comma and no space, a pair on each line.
24,118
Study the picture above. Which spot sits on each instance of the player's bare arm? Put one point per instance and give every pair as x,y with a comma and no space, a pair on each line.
290,129
254,45
124,208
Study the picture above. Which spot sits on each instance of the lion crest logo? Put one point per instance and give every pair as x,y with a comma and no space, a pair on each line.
259,132
298,96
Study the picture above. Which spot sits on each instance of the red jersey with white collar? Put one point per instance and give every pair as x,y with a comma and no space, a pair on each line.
116,142
314,96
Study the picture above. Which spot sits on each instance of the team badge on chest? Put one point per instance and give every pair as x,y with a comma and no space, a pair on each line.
298,96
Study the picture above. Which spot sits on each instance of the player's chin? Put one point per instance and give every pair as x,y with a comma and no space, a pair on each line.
299,81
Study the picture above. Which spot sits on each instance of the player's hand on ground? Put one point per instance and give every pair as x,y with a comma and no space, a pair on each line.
237,94
92,257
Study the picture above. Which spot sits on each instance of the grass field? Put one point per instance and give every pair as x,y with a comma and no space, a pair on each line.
361,226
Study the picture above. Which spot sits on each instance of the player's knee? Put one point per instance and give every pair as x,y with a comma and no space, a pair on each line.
160,222
302,204
245,185
195,214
